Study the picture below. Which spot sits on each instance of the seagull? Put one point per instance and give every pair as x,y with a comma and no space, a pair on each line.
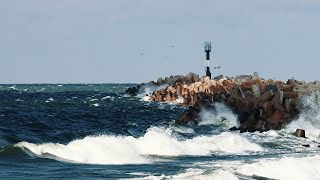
218,67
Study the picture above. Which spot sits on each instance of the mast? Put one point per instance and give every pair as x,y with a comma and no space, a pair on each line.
207,49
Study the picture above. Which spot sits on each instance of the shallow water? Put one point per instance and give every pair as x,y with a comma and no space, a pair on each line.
95,131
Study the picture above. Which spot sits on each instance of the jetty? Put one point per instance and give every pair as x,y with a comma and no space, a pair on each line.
260,104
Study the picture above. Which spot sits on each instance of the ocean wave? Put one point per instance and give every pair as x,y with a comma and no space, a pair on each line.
106,149
221,114
285,168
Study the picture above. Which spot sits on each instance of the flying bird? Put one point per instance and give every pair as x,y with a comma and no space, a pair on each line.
218,67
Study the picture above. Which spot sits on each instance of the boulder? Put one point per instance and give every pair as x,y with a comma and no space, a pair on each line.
300,133
188,117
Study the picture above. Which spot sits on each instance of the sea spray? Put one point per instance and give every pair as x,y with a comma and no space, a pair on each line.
148,89
220,114
309,119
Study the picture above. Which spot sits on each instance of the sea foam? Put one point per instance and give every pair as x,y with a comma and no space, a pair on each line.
285,168
107,149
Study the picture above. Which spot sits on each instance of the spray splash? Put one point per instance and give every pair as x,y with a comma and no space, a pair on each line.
309,119
221,115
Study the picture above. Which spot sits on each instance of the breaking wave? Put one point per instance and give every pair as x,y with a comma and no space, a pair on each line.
108,149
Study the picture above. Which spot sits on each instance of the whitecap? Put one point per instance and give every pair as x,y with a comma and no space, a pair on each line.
106,97
12,87
49,100
95,105
42,89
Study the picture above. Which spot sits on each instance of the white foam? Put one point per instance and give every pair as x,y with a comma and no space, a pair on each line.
95,105
309,119
146,98
12,87
220,115
179,100
199,175
106,97
106,149
184,130
208,175
91,100
49,100
285,168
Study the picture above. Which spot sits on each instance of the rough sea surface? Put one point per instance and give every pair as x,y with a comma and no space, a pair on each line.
95,131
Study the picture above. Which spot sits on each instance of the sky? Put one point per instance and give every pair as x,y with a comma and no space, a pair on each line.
131,41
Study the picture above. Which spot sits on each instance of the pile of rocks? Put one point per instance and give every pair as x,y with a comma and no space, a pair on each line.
260,104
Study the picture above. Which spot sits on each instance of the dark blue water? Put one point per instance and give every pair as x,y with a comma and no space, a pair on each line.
95,131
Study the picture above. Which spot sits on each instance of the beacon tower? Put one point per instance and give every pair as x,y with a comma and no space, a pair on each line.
207,49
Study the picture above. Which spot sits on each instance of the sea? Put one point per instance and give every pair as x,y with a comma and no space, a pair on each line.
96,131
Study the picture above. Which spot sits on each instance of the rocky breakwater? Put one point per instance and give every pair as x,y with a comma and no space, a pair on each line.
260,104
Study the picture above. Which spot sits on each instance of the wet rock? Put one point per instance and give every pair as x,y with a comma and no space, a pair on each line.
188,117
133,90
277,119
290,95
233,128
262,126
291,81
159,81
305,145
260,104
266,96
300,133
250,124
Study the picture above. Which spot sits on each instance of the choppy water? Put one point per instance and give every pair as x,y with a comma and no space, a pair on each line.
94,131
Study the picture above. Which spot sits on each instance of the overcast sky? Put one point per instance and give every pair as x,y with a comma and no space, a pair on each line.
117,41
